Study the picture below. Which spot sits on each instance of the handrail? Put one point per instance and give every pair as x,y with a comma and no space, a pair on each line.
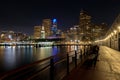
6,74
23,67
60,61
43,69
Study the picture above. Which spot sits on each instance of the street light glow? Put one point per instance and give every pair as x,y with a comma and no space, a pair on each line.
119,27
115,31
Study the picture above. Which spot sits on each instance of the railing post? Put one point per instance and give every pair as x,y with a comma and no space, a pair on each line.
75,58
51,69
81,53
67,64
84,50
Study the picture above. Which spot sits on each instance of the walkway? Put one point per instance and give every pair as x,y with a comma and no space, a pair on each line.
107,67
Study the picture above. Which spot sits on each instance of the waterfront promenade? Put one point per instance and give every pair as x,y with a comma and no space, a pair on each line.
106,68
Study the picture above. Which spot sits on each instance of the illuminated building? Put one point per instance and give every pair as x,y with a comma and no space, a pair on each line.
63,35
90,31
47,26
19,36
54,27
86,30
98,31
85,26
73,33
42,32
37,32
11,36
7,36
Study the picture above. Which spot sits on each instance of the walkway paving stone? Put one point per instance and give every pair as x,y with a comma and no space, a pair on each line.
106,68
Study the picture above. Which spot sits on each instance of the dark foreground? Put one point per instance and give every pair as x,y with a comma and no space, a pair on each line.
107,67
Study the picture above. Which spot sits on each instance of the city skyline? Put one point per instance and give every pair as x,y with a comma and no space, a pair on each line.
23,16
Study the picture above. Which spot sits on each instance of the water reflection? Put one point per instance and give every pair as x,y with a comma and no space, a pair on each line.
12,57
9,58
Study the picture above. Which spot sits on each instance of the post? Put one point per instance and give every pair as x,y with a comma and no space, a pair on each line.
75,58
51,69
84,50
81,53
67,64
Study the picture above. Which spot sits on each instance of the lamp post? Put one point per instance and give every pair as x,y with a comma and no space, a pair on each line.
118,38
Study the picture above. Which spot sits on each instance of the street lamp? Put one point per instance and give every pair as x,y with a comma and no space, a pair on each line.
115,31
118,28
112,33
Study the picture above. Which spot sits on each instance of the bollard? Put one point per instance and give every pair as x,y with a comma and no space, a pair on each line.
67,64
81,53
84,50
51,69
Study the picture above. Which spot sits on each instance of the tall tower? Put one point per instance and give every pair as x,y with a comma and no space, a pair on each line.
42,32
54,26
47,26
85,26
37,32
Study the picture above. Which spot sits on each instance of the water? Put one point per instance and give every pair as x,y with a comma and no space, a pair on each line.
12,57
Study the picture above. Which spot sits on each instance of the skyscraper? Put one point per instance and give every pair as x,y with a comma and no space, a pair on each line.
42,32
47,26
85,26
88,30
54,27
37,32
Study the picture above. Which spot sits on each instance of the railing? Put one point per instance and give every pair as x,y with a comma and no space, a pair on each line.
49,68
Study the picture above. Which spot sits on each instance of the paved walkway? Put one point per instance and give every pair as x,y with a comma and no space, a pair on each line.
107,67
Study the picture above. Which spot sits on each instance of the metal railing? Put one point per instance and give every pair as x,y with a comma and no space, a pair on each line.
48,68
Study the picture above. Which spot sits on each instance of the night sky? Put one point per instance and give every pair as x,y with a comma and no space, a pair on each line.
22,16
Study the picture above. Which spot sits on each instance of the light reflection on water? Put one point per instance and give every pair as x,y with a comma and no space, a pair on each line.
13,57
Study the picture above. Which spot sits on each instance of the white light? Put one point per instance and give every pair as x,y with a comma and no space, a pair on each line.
119,27
75,28
115,31
71,28
112,34
75,40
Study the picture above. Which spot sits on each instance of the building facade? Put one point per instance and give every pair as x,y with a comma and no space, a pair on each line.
112,37
47,23
37,32
11,36
86,31
85,26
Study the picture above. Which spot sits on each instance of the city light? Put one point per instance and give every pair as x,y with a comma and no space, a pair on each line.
115,31
119,27
54,20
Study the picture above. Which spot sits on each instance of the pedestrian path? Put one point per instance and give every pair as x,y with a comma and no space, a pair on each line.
106,68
